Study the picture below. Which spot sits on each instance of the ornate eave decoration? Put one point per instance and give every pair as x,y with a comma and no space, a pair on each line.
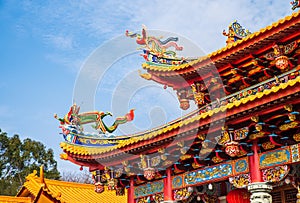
276,174
240,181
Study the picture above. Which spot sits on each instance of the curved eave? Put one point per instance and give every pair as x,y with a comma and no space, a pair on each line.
76,150
252,42
61,191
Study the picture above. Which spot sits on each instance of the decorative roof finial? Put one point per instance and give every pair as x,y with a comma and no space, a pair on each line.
42,174
295,4
235,32
155,49
73,120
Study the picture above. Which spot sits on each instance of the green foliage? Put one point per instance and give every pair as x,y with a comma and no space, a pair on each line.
19,158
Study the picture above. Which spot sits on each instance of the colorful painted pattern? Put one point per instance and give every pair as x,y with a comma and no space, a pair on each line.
276,174
240,181
237,171
149,189
241,166
183,193
177,182
295,153
207,174
273,158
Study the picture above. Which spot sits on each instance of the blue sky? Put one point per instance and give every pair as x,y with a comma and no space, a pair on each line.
45,44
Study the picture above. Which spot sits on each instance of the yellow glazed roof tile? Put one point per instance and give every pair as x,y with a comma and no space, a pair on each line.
10,199
70,192
76,149
229,46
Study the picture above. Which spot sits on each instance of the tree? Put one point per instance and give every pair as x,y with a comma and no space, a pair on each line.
78,177
19,158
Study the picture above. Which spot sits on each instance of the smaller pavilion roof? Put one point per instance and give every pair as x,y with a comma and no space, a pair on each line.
61,191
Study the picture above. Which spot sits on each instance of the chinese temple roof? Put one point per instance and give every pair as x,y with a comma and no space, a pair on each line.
188,119
259,75
46,190
232,51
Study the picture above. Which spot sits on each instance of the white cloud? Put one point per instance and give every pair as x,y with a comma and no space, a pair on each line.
203,21
78,27
59,41
71,62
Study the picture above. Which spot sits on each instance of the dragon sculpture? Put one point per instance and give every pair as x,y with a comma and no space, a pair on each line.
235,32
154,48
74,118
295,4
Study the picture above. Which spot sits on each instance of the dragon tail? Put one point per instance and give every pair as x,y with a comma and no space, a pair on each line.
170,39
131,34
121,120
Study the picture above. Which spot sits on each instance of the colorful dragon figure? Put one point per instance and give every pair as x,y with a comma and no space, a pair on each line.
295,4
235,32
155,45
73,117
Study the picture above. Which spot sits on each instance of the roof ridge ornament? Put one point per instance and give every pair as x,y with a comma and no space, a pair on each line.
73,117
235,32
157,50
295,4
42,174
31,175
73,132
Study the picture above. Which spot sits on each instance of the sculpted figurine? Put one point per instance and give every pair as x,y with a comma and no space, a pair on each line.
261,197
73,117
295,4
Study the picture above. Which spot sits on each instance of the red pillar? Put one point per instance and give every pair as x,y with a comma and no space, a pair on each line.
130,194
255,172
168,192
